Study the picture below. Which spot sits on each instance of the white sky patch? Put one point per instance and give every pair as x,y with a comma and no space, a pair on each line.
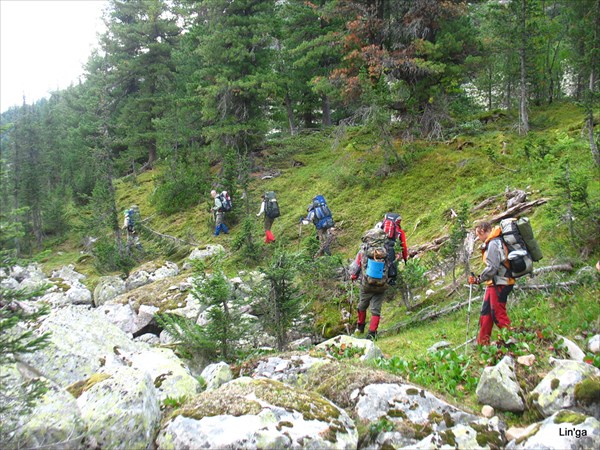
43,46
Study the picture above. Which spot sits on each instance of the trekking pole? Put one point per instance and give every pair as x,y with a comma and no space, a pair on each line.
299,233
468,314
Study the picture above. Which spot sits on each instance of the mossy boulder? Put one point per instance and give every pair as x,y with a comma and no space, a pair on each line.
557,390
81,343
258,413
107,289
563,430
122,411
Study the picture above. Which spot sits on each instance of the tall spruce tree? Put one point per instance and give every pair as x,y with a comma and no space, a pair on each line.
140,37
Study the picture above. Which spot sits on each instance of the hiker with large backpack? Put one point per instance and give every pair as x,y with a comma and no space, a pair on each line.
320,215
508,251
222,205
372,265
270,208
391,225
498,279
133,240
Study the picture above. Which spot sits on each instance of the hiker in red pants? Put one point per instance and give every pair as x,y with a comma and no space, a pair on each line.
496,276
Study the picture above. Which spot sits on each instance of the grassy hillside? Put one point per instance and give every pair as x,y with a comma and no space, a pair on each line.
430,179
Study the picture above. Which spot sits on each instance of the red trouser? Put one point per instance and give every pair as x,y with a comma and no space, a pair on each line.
493,311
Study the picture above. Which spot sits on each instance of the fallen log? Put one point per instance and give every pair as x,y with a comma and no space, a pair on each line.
517,209
433,245
555,268
169,237
488,201
541,287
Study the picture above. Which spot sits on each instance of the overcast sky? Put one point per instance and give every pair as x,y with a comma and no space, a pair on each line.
43,45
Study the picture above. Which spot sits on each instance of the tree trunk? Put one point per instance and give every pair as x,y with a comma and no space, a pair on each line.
590,121
591,91
326,112
290,113
524,117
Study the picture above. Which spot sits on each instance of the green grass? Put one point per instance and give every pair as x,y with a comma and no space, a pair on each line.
437,177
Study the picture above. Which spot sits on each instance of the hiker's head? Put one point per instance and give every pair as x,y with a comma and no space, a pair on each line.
213,193
482,230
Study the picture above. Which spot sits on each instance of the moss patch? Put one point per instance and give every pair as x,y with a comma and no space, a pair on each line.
486,437
337,380
566,416
79,387
233,399
587,392
554,383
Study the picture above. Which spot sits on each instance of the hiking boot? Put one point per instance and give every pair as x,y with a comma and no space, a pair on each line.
360,329
392,282
372,335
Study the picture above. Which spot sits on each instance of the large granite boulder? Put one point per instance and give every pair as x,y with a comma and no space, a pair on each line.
563,430
215,375
498,387
81,343
557,390
343,343
107,289
259,413
121,410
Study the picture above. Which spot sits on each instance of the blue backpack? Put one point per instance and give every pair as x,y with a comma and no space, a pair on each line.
323,218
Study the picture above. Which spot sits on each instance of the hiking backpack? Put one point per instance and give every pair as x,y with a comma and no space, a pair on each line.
374,264
389,224
323,217
523,249
271,205
226,204
130,220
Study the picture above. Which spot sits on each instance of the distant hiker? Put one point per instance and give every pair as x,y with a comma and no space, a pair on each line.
496,276
133,239
270,208
320,215
219,211
391,225
373,265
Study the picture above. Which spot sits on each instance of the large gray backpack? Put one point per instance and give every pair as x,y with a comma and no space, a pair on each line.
523,248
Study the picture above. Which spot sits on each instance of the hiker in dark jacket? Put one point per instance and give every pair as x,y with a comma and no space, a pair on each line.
371,295
133,239
496,276
268,220
391,225
219,214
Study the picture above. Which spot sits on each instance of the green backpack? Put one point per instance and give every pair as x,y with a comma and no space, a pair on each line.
374,264
271,205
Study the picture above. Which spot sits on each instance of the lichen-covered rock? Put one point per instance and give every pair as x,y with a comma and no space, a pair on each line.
405,402
250,414
170,377
68,274
200,254
564,430
55,421
463,437
557,390
370,350
107,289
81,343
289,370
215,375
52,420
168,270
122,316
575,353
498,387
78,294
121,411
